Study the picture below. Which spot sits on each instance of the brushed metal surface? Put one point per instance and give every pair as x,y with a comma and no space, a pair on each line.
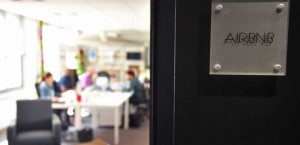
249,38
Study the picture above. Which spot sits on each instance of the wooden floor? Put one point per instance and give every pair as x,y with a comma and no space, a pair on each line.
139,136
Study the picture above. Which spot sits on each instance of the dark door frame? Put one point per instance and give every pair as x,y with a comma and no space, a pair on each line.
163,17
162,72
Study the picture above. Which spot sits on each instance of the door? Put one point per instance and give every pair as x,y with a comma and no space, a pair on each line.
193,107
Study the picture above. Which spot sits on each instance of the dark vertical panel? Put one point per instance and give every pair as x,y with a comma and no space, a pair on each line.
162,66
231,110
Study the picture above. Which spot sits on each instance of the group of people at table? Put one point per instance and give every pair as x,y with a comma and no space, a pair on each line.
51,90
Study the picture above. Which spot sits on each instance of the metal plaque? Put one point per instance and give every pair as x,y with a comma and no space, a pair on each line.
249,37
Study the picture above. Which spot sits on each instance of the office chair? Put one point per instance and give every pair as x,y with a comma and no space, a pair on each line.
35,124
37,85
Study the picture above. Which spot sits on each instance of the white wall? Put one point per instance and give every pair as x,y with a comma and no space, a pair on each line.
53,39
31,61
51,51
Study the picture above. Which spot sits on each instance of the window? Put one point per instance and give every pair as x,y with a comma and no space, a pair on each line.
11,51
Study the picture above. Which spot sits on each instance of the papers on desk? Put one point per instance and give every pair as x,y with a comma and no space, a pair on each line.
106,93
93,97
68,96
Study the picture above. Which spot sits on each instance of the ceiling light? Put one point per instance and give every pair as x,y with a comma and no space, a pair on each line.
112,34
57,13
74,14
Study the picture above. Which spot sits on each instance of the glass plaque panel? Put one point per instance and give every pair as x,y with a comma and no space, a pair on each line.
249,37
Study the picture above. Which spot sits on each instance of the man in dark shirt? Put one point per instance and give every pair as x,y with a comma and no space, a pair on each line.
137,87
67,81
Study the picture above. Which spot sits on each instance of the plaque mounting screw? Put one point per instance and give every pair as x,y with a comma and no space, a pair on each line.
277,68
217,67
219,8
279,8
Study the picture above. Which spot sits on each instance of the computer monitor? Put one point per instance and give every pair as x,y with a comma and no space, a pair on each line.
134,56
102,82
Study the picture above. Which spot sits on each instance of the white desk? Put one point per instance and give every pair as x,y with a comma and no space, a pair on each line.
113,100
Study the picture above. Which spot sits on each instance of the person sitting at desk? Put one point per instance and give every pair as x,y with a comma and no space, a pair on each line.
137,87
49,89
67,81
46,88
87,78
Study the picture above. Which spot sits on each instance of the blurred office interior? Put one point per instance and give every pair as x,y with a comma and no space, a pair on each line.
53,36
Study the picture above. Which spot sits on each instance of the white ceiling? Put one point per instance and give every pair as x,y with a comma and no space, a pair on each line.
90,16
